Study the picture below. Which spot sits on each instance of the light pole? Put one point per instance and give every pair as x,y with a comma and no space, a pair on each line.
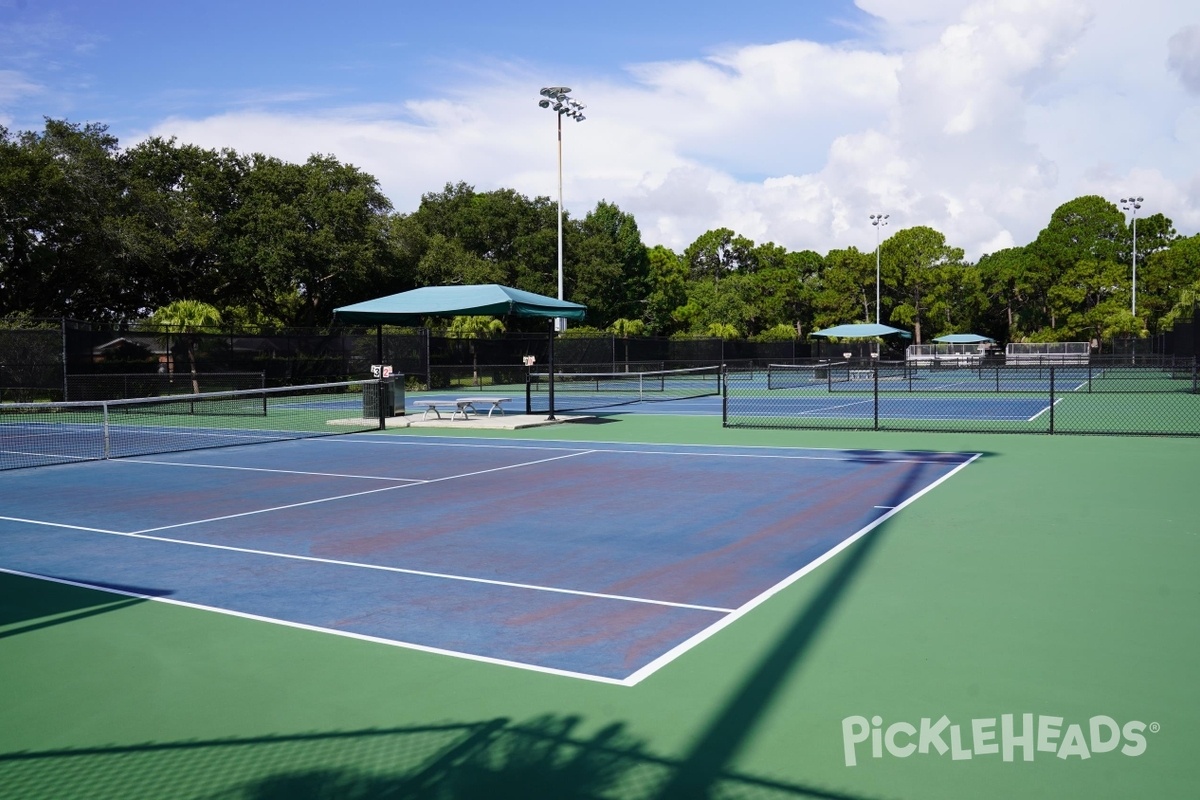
879,221
1133,204
558,99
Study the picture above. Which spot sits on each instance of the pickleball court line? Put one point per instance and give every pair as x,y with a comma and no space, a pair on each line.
318,629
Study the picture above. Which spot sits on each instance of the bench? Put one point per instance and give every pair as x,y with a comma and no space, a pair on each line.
494,403
455,407
463,406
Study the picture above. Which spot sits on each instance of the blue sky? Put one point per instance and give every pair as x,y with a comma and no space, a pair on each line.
785,121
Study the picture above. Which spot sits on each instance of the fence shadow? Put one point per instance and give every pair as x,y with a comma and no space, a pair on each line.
30,604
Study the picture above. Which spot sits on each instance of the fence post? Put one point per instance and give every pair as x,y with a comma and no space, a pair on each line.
876,376
1051,400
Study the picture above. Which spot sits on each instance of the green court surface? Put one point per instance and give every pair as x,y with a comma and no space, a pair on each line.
1053,577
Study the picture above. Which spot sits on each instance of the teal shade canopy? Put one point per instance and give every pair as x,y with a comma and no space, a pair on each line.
963,338
867,330
489,299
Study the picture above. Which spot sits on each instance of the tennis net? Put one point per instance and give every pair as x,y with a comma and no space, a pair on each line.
576,391
42,434
800,376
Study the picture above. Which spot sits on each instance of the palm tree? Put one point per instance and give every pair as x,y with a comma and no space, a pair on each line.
473,328
187,318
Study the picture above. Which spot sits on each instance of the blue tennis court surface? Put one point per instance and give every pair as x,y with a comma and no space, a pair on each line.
600,561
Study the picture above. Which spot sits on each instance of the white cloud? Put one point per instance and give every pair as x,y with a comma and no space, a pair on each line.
1184,57
977,119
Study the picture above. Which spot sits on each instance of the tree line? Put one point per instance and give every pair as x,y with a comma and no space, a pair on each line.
98,232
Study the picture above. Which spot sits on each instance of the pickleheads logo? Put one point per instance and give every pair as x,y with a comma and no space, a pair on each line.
1010,734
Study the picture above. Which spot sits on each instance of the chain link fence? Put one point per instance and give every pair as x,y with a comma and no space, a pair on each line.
1152,395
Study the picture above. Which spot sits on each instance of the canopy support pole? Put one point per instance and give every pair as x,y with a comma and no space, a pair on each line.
550,367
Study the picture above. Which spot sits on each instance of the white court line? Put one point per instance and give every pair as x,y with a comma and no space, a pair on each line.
824,409
318,629
683,647
358,494
383,568
264,469
63,525
882,459
408,439
1044,410
68,459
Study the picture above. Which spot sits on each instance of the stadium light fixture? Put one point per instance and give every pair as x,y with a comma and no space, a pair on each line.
1132,203
879,221
559,100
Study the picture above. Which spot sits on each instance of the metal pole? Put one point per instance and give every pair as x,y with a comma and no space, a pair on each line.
560,323
877,275
878,220
550,369
1134,307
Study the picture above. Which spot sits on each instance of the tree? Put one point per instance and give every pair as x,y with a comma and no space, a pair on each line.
1162,274
668,290
846,292
718,253
611,265
1087,230
186,318
60,192
315,232
921,270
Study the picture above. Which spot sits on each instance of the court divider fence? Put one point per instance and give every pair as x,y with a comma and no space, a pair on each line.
1157,396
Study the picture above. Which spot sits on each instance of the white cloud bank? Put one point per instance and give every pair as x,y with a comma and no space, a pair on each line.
977,119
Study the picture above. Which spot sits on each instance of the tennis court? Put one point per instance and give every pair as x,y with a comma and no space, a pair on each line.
644,606
510,551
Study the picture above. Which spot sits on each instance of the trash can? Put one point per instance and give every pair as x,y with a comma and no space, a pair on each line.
390,393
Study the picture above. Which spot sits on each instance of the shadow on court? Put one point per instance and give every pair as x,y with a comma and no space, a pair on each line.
28,604
544,758
698,776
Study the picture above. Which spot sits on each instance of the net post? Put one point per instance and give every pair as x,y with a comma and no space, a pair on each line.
875,370
105,429
724,389
1051,400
